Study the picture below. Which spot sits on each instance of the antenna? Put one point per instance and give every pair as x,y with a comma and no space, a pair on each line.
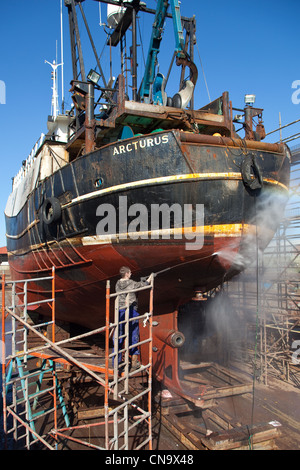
62,59
100,16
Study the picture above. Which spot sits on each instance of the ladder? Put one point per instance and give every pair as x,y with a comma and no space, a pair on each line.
24,385
139,401
22,388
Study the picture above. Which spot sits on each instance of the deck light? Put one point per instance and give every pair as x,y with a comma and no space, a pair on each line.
93,76
238,117
249,100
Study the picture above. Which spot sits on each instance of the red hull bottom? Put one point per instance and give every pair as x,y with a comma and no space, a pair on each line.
80,290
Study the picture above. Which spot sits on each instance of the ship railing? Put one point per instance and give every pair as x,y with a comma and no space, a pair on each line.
27,164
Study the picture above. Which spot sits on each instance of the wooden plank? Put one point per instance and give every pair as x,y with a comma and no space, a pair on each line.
182,433
209,374
221,376
166,410
197,380
92,413
241,437
222,419
143,109
265,445
227,391
189,366
226,374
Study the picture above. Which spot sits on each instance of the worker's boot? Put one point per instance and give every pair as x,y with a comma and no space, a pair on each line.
135,363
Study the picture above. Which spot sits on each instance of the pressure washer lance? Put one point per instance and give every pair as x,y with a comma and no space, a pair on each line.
143,279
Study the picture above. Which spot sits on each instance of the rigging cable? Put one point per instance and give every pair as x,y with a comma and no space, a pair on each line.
203,73
141,39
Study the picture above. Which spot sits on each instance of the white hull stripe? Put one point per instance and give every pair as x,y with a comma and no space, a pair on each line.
165,180
151,182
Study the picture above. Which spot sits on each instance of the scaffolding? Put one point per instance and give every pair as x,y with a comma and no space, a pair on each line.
267,297
21,403
28,402
280,322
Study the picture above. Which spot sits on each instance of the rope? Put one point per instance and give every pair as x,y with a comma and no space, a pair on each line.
203,74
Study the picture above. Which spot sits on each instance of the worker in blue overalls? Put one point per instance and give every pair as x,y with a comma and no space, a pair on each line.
125,284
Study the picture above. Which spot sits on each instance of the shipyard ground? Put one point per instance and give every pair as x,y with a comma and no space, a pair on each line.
260,417
226,425
178,425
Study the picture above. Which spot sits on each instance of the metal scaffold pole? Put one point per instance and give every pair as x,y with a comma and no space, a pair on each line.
123,375
21,384
28,403
277,297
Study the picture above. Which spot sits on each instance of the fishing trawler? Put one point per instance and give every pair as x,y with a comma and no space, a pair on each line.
145,181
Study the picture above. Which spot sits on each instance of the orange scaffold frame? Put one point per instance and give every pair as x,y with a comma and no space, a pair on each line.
52,352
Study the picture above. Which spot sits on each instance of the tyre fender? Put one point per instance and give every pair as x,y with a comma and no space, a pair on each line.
51,210
251,173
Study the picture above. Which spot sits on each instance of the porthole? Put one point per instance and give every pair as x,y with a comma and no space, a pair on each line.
98,183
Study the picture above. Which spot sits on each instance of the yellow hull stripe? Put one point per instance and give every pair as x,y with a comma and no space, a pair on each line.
218,231
166,180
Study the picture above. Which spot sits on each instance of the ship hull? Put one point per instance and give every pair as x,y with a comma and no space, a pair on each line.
105,220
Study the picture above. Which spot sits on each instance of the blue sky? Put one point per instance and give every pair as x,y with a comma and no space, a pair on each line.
245,47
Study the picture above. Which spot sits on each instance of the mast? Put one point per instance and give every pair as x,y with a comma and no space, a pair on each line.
134,56
76,49
55,107
129,18
126,17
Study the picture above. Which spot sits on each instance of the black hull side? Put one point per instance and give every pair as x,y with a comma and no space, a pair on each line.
211,175
166,172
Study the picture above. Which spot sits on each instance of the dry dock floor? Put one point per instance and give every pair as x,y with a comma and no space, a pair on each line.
177,425
277,403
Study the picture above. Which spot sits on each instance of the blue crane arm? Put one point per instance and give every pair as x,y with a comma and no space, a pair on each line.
156,37
157,30
179,40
